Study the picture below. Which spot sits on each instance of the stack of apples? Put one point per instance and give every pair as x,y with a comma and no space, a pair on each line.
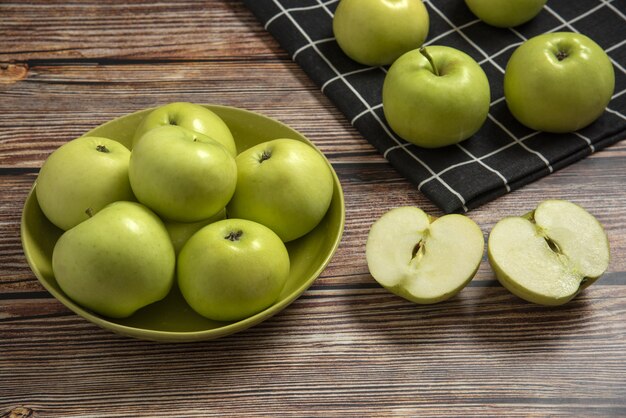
437,96
181,207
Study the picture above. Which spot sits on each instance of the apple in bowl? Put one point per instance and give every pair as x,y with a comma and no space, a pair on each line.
283,184
182,175
190,116
81,177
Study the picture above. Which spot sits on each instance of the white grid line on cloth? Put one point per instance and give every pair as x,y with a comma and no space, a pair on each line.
587,140
325,6
481,162
449,32
615,112
309,45
365,112
537,153
296,9
358,95
464,36
349,73
483,157
615,9
500,52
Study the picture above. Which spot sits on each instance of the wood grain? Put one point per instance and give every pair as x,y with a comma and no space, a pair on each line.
346,347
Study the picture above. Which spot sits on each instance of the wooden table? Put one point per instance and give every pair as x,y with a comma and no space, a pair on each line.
346,347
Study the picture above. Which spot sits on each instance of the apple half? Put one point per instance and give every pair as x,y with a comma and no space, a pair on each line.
421,258
549,255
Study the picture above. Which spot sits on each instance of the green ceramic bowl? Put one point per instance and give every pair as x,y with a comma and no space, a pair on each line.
171,319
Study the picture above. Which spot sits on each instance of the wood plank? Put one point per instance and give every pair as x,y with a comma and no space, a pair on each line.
183,30
78,97
358,351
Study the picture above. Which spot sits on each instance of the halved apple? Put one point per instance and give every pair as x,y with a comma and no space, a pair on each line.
421,258
549,255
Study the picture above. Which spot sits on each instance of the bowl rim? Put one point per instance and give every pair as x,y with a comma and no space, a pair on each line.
191,336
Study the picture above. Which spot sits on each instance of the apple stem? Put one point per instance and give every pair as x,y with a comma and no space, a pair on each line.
102,148
234,235
425,53
561,55
89,212
265,156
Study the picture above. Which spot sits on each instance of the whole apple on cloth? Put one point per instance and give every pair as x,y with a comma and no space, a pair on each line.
504,154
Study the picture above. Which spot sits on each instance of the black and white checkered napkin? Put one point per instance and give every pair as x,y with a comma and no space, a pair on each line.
503,155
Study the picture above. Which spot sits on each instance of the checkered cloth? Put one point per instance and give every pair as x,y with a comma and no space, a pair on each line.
503,155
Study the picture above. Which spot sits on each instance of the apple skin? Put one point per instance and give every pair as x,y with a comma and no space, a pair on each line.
377,32
181,175
232,269
190,116
116,262
434,110
283,184
505,13
82,175
555,95
180,232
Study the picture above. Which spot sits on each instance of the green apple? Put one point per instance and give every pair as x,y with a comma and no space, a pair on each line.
180,232
284,184
423,259
80,177
182,175
549,255
191,116
377,32
435,96
232,269
117,261
558,82
505,13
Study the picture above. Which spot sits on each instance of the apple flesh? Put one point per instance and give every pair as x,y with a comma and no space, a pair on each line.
190,116
558,82
377,32
505,13
435,96
232,269
181,175
117,261
550,255
80,178
423,259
